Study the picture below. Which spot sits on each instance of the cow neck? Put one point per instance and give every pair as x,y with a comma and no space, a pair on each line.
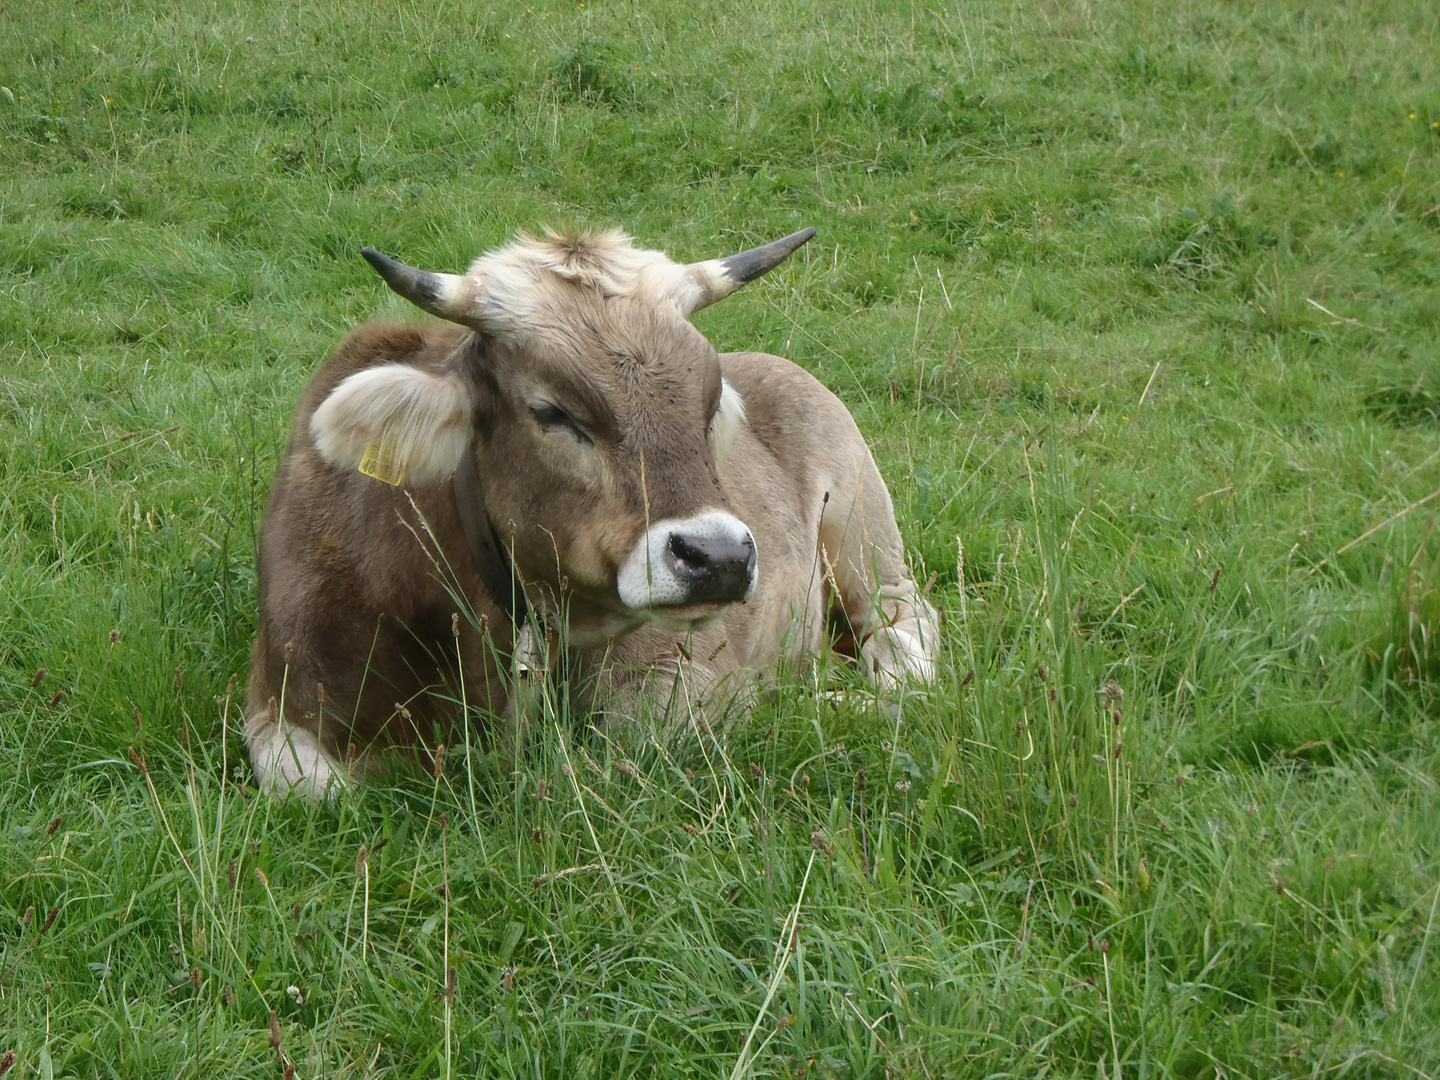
491,558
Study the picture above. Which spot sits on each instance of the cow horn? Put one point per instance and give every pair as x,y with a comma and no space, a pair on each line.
718,278
448,296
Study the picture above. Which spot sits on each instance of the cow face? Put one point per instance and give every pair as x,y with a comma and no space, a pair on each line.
596,416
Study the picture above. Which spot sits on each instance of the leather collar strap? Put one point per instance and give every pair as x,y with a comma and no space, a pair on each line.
490,556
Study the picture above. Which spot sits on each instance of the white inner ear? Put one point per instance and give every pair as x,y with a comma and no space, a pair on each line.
427,415
728,418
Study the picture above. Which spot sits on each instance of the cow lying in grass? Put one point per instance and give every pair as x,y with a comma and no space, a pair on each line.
568,464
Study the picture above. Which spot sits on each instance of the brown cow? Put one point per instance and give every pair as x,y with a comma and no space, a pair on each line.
572,463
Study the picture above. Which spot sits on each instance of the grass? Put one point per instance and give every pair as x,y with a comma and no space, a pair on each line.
1137,304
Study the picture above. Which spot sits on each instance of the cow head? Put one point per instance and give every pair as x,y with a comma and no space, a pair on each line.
596,416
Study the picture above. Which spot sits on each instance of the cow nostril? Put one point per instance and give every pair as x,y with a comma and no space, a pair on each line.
690,560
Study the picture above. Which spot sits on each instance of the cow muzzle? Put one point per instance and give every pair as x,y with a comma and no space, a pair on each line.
704,562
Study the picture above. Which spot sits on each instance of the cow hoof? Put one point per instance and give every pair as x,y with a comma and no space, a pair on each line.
288,761
894,656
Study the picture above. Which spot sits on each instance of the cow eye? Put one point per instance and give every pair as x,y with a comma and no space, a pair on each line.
554,418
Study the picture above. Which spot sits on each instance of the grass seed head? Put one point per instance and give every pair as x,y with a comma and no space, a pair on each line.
7,1062
39,674
274,1031
54,825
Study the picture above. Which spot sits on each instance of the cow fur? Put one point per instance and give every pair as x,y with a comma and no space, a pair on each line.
374,620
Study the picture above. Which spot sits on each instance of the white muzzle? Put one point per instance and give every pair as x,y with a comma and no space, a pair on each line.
683,562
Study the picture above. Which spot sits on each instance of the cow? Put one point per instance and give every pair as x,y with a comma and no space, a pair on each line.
562,465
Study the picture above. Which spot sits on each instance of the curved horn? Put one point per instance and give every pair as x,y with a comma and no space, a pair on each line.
449,296
718,278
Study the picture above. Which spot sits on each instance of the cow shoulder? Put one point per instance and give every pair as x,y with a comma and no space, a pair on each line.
787,410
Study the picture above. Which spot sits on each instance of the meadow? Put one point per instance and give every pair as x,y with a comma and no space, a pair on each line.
1137,305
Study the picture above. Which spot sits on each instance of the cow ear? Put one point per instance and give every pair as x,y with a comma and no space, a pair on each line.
422,419
725,425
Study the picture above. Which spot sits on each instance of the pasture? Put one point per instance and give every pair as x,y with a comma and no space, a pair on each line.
1137,303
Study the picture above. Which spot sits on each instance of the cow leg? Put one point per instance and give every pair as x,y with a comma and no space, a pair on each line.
654,683
864,569
525,697
288,760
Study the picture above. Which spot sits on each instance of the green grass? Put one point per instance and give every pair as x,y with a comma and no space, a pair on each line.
1137,305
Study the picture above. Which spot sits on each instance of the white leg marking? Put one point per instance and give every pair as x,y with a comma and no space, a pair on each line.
905,649
288,761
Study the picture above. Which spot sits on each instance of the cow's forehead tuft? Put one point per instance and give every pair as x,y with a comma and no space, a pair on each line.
534,280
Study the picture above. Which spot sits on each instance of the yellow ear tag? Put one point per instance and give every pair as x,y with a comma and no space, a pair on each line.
379,459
